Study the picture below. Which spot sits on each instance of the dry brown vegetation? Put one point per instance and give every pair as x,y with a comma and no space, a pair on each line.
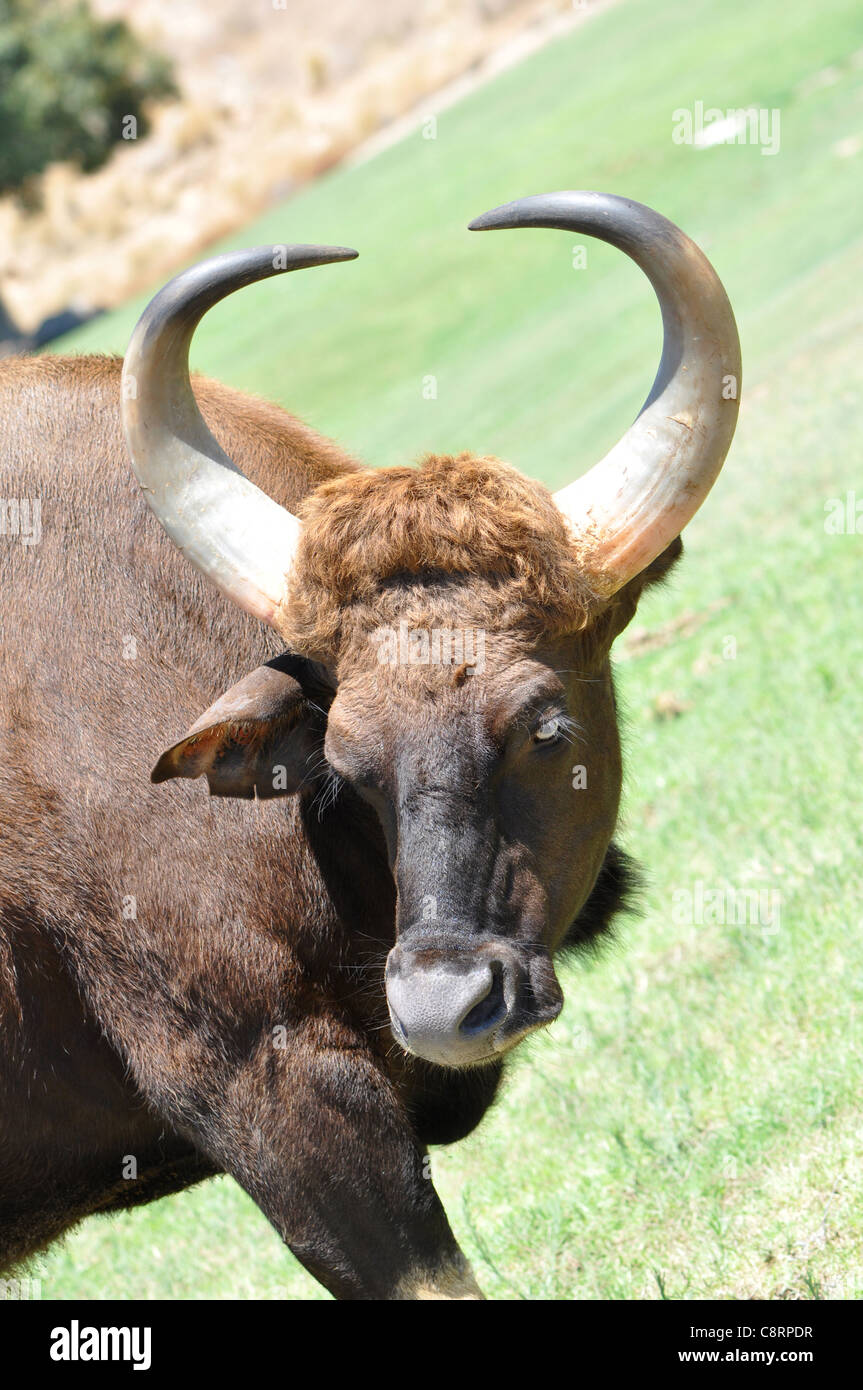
272,94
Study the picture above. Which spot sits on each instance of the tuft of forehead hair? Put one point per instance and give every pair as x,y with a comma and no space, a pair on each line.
455,524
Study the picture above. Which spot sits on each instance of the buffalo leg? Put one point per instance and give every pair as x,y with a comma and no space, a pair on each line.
316,1133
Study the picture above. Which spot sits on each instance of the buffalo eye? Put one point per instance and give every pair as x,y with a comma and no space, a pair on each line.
550,730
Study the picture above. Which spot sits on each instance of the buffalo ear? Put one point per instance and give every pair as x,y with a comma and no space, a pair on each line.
259,739
621,608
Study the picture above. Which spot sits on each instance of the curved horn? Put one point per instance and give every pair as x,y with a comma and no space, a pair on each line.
632,504
236,535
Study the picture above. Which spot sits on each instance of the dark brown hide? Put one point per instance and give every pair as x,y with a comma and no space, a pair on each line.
197,982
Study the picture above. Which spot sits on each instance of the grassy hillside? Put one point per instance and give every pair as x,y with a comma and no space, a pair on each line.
690,1127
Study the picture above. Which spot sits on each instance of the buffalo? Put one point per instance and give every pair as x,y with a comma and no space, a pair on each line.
312,975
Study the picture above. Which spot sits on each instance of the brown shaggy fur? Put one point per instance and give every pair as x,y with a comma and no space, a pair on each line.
448,522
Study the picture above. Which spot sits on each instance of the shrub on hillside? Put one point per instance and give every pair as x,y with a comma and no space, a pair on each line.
67,80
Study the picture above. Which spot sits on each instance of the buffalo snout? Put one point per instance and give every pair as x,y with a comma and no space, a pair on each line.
461,1005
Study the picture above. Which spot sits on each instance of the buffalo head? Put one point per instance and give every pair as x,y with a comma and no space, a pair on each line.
449,629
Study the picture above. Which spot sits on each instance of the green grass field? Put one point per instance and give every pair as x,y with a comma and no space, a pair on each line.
691,1126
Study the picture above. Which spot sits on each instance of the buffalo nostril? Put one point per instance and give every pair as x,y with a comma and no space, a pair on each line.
490,1009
